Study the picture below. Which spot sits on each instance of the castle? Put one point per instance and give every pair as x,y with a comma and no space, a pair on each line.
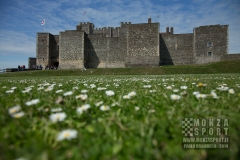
131,45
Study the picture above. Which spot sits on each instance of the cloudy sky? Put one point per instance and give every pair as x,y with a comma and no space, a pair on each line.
21,20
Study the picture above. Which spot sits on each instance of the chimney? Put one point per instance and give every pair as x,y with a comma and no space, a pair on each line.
167,29
149,20
171,30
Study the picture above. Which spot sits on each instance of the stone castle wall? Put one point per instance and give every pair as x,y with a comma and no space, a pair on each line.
132,45
142,45
230,57
210,43
31,62
42,48
176,49
71,49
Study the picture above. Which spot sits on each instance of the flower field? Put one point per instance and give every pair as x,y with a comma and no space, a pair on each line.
113,117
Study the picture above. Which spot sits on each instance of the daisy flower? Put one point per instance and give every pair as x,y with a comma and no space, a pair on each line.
183,87
84,91
92,85
175,90
98,103
175,97
67,134
223,88
196,93
32,102
231,91
83,97
68,93
137,108
201,96
58,91
58,117
10,91
56,109
83,108
147,86
126,97
104,108
101,88
109,93
131,94
214,95
18,115
168,87
14,109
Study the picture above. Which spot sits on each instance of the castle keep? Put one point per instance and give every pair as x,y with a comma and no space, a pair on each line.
131,45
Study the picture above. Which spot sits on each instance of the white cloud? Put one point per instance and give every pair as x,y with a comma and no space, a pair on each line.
13,43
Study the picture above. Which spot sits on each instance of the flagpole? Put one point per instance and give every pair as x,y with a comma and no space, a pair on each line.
44,24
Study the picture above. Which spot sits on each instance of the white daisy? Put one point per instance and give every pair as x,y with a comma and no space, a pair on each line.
18,115
183,87
14,109
32,102
126,97
75,87
58,91
231,91
68,93
201,96
214,95
131,94
56,109
196,93
175,90
83,97
104,108
10,91
49,89
83,108
13,88
92,85
115,104
152,91
175,97
40,88
101,88
98,103
223,88
58,117
168,87
109,93
84,91
147,86
137,108
67,134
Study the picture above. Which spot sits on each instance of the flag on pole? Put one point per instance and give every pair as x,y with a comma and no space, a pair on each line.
84,13
43,22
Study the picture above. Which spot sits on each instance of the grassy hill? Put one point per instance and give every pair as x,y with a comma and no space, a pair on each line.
232,66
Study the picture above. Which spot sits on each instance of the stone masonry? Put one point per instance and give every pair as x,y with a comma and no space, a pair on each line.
132,45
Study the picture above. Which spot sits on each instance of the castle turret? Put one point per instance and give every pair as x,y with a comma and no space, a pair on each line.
167,29
87,27
149,20
171,30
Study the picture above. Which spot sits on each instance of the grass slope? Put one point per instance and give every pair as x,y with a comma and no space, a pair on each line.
232,66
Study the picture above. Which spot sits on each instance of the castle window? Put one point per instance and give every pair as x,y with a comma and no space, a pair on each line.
209,53
58,47
209,44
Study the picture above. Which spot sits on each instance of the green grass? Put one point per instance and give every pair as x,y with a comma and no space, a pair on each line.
232,66
145,126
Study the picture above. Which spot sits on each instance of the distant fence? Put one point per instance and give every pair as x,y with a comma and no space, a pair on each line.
2,71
